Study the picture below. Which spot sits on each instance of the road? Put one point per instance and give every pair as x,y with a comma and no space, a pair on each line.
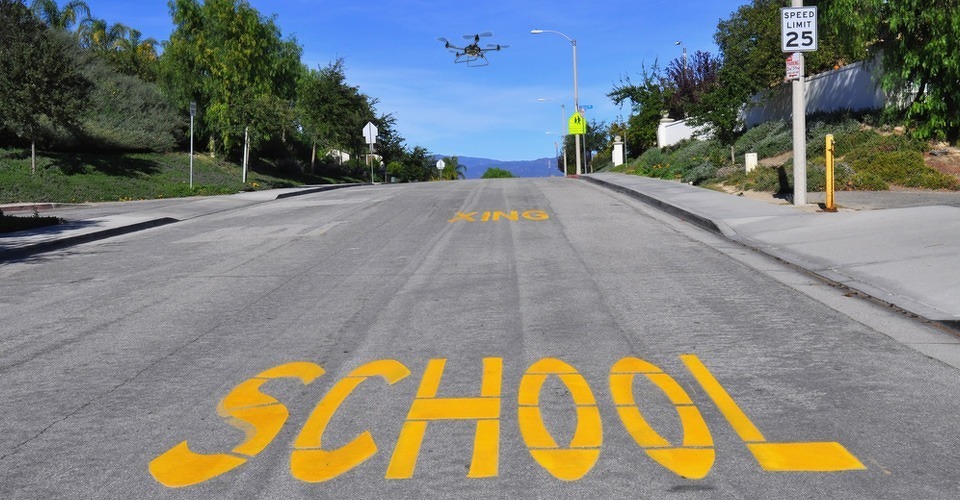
496,338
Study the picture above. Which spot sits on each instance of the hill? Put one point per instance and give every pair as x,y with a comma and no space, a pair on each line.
542,167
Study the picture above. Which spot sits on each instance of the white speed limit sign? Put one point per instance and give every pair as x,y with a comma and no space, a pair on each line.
799,32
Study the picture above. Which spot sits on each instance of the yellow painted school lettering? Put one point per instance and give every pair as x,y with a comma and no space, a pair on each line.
258,415
262,417
427,407
695,457
575,460
309,461
781,457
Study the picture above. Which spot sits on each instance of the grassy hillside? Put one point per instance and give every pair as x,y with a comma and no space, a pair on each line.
76,178
868,158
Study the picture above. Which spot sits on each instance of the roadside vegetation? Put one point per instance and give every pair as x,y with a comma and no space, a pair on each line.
710,90
497,173
870,156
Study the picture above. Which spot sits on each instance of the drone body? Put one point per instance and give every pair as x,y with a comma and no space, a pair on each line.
472,55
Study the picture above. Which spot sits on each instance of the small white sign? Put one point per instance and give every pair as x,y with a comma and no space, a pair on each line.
441,165
370,133
799,29
794,66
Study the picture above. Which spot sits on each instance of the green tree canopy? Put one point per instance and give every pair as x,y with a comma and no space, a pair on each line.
497,173
41,83
233,62
919,44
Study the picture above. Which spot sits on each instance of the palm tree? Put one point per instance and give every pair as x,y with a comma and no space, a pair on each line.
74,12
96,35
453,170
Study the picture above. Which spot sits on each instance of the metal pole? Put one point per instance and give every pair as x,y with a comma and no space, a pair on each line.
830,206
246,151
799,131
576,102
370,161
191,152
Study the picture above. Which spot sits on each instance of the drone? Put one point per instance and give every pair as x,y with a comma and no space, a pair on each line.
472,55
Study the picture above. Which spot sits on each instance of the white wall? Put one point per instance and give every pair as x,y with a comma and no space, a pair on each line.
853,87
671,132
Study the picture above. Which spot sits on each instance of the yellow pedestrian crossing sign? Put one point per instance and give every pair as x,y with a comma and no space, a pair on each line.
578,124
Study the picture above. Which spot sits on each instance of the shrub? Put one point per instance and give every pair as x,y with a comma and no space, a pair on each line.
497,173
768,139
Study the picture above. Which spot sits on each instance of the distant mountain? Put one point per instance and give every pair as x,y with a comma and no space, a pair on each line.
542,167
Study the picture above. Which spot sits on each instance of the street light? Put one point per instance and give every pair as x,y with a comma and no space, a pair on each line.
576,95
684,47
563,123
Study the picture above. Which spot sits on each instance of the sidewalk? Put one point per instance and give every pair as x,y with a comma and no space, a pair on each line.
906,257
105,220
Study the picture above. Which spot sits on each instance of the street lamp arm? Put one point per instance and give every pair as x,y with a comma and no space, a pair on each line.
539,32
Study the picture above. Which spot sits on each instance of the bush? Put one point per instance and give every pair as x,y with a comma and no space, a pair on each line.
767,140
497,173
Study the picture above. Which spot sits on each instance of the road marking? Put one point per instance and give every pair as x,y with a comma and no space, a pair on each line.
427,407
308,461
258,415
789,457
693,459
262,417
498,215
576,459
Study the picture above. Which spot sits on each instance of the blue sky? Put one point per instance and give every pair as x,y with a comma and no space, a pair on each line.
391,53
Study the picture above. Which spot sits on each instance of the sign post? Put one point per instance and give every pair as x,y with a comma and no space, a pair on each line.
440,166
193,111
799,35
370,135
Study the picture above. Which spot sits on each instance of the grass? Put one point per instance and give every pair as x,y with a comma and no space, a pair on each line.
79,178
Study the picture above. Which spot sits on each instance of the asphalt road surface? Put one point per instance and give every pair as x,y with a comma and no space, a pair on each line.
501,338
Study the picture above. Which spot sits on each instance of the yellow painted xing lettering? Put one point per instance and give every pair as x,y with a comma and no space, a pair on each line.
575,460
427,407
262,417
694,458
498,215
792,457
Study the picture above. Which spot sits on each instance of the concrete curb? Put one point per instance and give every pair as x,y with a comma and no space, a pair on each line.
47,246
312,190
699,220
864,289
67,241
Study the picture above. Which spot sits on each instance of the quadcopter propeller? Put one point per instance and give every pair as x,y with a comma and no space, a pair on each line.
485,34
442,39
497,47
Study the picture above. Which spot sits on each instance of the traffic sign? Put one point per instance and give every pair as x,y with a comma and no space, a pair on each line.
370,133
799,29
441,165
578,125
794,66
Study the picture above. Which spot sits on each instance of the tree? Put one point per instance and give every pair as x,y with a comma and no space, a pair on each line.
332,113
40,78
691,80
74,12
453,170
648,100
752,62
233,62
497,173
919,45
